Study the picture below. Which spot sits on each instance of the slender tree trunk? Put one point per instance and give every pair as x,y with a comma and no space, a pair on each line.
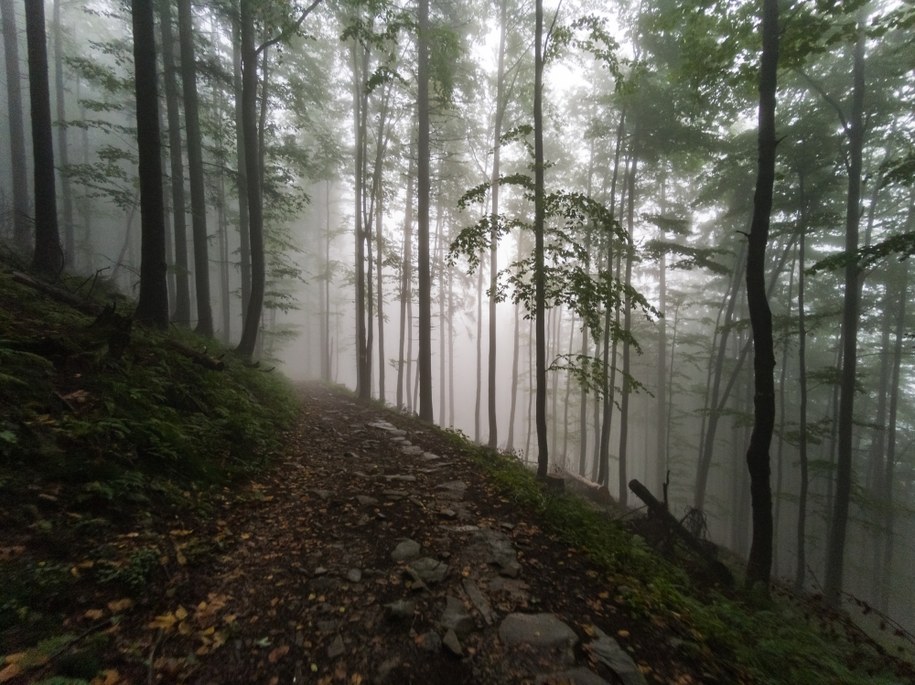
363,380
195,168
510,441
479,351
21,230
244,235
835,553
423,185
152,305
62,147
627,327
325,281
800,572
182,314
48,257
543,456
255,304
406,279
662,463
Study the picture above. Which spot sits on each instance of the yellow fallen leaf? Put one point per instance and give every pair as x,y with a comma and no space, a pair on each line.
622,632
163,622
14,658
181,613
108,677
119,605
94,614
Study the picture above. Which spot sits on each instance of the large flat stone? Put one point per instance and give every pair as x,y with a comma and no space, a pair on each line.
537,630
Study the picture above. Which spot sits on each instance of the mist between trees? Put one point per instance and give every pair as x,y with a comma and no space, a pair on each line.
535,224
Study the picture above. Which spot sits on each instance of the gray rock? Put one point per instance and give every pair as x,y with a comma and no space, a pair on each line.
403,478
402,608
453,489
429,570
456,618
336,648
395,494
610,654
354,575
537,630
501,552
452,643
575,676
479,600
406,549
411,449
430,456
366,501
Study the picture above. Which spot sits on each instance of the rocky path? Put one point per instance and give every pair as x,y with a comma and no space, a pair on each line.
376,554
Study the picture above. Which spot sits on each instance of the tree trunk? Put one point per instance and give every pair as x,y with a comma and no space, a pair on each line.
152,305
21,232
182,287
423,183
510,442
479,352
543,456
244,235
800,571
48,257
627,327
62,151
195,168
255,304
835,552
406,280
363,381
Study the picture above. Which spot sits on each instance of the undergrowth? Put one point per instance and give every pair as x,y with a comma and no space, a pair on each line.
98,444
735,637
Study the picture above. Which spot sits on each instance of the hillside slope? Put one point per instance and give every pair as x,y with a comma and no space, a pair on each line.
161,521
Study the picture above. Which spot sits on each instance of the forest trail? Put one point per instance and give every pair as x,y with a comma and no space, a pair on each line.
375,552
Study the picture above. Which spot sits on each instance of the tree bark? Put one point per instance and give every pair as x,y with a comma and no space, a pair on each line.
182,314
255,304
62,145
48,256
835,552
195,168
543,456
152,305
406,280
800,571
423,187
21,232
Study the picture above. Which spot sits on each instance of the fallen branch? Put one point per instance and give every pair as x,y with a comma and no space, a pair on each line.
59,294
659,511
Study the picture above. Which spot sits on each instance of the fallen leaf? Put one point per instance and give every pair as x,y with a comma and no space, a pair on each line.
9,672
94,614
108,677
181,613
119,605
278,654
163,622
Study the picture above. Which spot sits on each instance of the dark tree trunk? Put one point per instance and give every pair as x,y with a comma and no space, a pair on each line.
182,287
759,565
152,305
48,256
835,551
21,232
363,359
406,280
244,235
543,456
627,326
62,151
255,304
800,571
423,184
195,168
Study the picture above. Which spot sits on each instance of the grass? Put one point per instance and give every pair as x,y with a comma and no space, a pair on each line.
770,641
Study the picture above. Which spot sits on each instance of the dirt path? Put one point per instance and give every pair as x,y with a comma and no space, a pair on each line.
374,553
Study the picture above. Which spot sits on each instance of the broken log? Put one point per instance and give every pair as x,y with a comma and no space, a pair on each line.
201,358
59,294
657,509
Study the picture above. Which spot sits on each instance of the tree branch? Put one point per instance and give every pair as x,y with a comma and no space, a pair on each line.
288,31
827,97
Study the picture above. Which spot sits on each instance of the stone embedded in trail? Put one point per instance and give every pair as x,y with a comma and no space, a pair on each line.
501,551
429,642
428,570
411,449
354,575
537,630
575,676
453,489
430,456
452,642
395,494
402,608
610,654
366,501
456,618
336,648
406,549
479,600
401,478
